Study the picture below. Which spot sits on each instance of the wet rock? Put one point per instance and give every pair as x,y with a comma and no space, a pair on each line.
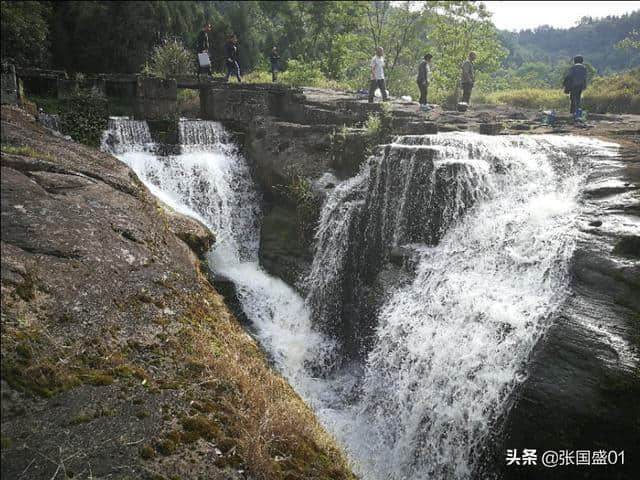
191,231
628,246
595,223
490,128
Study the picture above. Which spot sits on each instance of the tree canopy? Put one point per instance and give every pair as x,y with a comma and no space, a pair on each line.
316,39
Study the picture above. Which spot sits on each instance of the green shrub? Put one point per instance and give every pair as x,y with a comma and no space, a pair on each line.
611,94
298,190
535,98
84,118
169,59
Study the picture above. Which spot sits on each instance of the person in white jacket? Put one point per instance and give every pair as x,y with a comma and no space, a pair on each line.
377,75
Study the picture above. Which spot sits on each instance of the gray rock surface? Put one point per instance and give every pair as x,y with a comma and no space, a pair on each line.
119,360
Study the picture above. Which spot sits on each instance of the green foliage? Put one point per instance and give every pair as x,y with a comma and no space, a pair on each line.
593,39
614,94
47,104
378,126
530,75
321,44
373,126
84,118
299,192
26,151
25,32
458,28
116,36
169,59
632,42
300,73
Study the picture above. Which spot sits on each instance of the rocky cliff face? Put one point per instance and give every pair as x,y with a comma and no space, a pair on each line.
118,357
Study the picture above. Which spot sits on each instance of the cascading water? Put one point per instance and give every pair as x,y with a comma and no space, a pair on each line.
449,347
490,220
211,182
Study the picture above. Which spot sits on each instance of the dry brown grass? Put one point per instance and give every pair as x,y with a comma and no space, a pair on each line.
242,406
275,433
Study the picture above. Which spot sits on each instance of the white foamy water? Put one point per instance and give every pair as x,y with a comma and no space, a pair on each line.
211,182
493,219
450,347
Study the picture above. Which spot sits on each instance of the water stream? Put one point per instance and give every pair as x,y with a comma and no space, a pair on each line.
490,222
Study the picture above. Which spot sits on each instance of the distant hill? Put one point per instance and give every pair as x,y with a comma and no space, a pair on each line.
594,39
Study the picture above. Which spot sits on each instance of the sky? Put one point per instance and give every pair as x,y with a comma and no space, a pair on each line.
523,15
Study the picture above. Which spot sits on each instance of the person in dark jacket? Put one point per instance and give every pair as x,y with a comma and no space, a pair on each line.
232,58
575,82
274,58
424,77
203,45
468,77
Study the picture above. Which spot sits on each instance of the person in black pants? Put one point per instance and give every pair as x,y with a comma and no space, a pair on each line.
468,77
424,76
274,58
232,58
576,82
203,45
377,75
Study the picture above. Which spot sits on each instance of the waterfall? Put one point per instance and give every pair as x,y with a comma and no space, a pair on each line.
407,194
124,135
490,222
211,182
450,347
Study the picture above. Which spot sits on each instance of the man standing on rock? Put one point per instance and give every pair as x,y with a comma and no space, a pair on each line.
377,75
576,82
424,76
468,77
232,58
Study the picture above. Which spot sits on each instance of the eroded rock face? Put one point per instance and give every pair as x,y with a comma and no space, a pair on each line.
117,355
192,232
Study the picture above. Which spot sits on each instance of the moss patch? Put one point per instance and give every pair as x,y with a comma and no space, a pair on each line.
26,151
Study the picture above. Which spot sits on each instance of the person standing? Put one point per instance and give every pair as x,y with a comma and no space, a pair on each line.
424,77
203,46
274,58
232,58
468,77
576,82
377,75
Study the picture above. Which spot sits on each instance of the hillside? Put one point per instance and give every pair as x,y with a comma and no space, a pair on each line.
594,39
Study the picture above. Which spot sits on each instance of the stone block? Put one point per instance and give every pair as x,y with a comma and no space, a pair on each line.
229,104
156,88
156,98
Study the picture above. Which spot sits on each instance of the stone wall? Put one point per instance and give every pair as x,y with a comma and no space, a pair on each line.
70,87
155,98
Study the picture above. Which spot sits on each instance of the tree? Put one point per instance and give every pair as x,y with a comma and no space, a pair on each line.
456,29
169,59
25,32
632,42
